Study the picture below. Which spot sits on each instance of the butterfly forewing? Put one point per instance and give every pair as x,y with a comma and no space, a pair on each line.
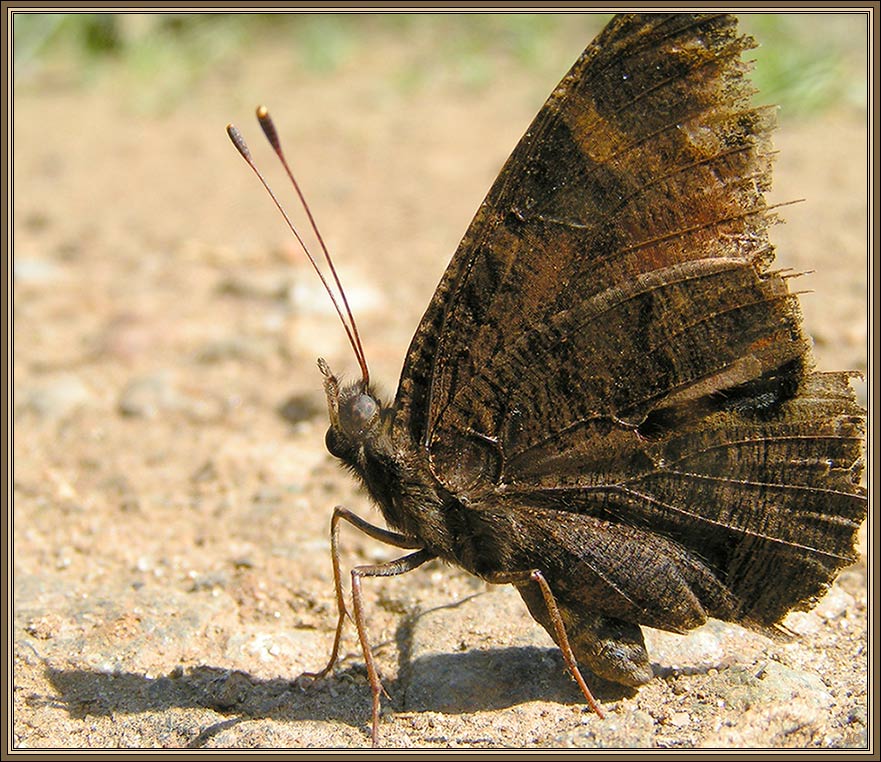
634,164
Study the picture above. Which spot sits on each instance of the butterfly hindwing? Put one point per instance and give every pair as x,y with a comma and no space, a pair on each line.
752,493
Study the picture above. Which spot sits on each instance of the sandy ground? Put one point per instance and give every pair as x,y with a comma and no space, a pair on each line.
172,494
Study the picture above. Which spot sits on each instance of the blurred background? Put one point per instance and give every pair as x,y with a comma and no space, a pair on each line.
808,61
169,416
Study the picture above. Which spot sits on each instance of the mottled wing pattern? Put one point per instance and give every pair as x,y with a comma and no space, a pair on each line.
758,498
609,342
646,156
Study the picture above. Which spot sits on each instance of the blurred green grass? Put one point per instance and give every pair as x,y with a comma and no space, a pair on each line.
806,63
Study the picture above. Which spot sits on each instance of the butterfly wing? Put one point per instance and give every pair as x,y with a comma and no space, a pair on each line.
646,155
608,342
741,514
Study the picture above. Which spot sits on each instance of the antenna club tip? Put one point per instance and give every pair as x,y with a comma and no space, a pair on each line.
269,130
238,141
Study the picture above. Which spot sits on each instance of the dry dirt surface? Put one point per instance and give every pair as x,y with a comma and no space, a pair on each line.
172,494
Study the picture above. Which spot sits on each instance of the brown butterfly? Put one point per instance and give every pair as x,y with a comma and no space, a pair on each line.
610,402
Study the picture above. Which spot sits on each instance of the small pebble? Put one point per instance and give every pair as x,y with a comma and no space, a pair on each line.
148,395
58,397
34,271
680,719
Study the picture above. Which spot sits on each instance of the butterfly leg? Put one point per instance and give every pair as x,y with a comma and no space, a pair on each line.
612,648
534,575
388,569
377,533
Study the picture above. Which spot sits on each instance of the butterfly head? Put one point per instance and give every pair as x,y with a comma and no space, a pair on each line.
355,415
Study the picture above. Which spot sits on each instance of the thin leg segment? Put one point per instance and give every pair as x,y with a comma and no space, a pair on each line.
389,569
377,533
534,575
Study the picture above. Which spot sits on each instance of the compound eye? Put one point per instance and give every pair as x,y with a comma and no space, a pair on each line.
336,445
364,410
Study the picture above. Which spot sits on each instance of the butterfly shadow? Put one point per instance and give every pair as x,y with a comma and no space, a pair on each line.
486,679
238,695
476,680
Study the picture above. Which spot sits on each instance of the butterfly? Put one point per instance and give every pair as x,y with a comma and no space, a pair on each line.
610,402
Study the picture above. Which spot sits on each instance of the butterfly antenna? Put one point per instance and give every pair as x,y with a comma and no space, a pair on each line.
272,136
352,333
